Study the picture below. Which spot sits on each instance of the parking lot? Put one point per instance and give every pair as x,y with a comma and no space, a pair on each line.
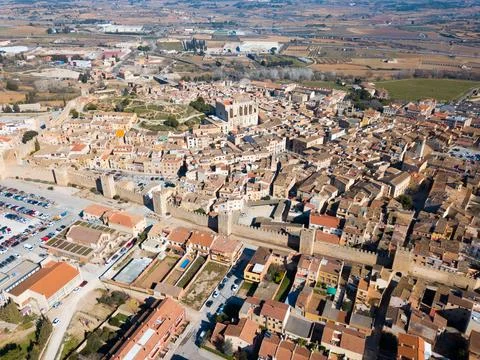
465,153
26,218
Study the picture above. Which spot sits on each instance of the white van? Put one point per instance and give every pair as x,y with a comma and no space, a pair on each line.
28,246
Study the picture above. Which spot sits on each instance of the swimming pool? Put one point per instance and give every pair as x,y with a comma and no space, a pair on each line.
184,263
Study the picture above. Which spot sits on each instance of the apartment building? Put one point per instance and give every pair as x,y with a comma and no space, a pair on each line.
151,335
270,314
225,250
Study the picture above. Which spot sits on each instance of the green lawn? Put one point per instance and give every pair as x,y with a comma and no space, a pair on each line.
415,89
170,45
69,344
249,288
285,286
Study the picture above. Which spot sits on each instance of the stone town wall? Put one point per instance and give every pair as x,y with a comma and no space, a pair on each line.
345,253
82,178
445,277
129,195
404,262
267,236
178,212
29,172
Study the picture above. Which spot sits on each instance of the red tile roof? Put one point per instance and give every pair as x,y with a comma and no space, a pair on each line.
48,280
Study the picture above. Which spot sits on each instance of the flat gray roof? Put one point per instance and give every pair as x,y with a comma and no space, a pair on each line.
17,274
132,270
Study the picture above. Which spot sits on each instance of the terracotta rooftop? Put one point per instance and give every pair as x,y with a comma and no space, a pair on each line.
411,347
474,342
328,238
324,220
153,330
246,330
269,347
96,210
125,219
285,350
48,280
225,244
179,235
274,309
201,238
350,339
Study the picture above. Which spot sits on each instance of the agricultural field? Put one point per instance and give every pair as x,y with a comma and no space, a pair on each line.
11,97
206,281
170,45
415,89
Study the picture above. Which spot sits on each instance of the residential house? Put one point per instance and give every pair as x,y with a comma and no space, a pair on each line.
412,347
200,241
270,314
258,265
178,238
343,341
325,223
226,250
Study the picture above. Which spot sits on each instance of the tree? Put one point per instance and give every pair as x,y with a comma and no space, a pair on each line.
7,109
347,306
16,108
12,85
115,298
171,122
242,355
90,106
301,342
74,114
406,201
83,78
44,329
30,97
227,348
10,313
50,31
28,135
202,106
